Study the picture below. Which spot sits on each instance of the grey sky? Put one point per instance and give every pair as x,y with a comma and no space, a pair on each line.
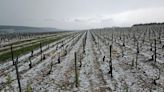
80,14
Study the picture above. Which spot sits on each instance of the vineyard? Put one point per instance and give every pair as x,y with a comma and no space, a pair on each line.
98,60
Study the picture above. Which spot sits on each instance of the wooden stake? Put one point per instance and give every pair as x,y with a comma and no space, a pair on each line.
110,62
41,50
155,56
12,55
17,72
76,76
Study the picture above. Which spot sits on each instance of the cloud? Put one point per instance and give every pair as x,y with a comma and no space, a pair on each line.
139,16
49,20
77,14
127,18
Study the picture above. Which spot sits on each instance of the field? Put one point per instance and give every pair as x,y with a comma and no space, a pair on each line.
98,60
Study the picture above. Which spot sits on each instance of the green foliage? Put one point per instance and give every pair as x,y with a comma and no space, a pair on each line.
28,88
8,80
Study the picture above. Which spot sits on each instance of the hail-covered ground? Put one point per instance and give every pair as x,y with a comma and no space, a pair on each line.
136,57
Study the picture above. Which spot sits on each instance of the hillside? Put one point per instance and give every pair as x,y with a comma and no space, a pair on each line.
11,29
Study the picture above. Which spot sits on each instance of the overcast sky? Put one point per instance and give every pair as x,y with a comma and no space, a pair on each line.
80,14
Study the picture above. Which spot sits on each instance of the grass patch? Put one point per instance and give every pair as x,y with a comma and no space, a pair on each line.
24,50
28,40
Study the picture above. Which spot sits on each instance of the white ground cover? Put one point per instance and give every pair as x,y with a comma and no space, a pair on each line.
93,75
